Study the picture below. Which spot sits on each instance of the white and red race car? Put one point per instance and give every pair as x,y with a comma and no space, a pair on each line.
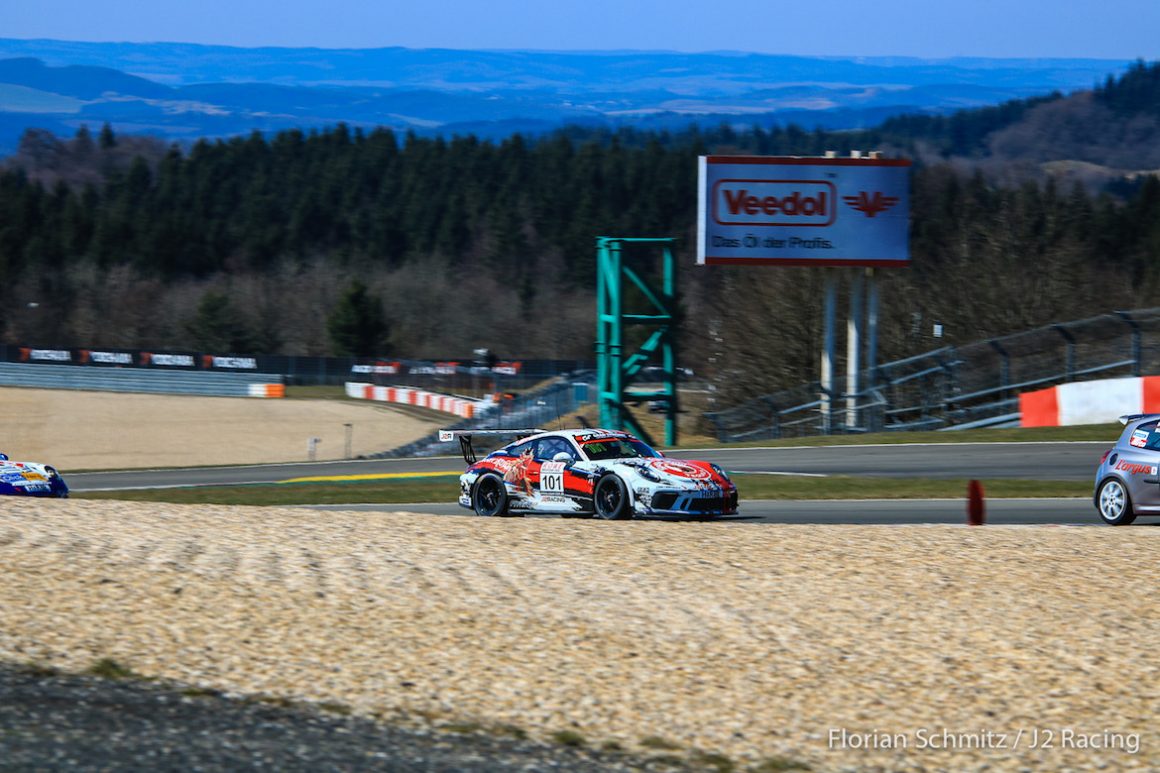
586,473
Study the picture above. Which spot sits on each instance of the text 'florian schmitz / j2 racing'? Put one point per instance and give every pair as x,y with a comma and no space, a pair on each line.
585,473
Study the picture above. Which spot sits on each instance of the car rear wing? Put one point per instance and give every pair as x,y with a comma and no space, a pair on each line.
465,436
1134,416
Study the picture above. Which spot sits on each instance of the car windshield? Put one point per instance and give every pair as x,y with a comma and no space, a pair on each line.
617,448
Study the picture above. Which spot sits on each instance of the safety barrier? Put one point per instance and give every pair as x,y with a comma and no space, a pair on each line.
142,380
1089,402
957,387
418,397
548,406
434,375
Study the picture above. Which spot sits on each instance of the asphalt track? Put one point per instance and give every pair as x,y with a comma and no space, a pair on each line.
1049,461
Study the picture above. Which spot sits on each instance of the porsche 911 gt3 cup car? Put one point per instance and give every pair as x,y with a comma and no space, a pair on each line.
1128,478
29,479
585,473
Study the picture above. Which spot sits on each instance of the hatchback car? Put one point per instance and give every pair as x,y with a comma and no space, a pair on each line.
1128,478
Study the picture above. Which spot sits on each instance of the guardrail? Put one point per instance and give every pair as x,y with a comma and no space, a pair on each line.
546,407
456,406
956,387
141,380
451,375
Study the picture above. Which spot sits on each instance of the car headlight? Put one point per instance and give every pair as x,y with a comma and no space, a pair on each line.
717,469
649,474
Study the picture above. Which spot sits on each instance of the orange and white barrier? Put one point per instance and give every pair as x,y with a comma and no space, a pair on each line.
406,396
1089,402
267,390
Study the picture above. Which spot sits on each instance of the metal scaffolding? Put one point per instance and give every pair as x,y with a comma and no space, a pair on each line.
616,366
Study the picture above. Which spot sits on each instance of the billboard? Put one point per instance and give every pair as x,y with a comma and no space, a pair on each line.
795,211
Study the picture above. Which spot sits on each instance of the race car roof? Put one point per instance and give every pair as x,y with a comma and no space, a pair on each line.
579,436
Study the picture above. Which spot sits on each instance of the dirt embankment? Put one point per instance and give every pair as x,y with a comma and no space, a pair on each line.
843,647
103,430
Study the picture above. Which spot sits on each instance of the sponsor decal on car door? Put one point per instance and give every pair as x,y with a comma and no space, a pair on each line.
552,478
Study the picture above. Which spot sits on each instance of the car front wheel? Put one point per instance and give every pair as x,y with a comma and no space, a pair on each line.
1114,504
489,497
610,499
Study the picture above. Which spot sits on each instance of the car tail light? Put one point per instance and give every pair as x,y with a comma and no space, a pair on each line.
1104,458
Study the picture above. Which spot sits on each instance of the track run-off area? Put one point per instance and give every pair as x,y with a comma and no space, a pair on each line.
1052,460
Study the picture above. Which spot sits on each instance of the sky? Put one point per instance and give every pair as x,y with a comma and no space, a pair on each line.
1126,29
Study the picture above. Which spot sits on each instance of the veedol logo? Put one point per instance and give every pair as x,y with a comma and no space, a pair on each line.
773,202
870,204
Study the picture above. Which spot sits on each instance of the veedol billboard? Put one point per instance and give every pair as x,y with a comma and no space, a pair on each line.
803,211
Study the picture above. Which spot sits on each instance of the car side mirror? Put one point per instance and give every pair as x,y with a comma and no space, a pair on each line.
562,456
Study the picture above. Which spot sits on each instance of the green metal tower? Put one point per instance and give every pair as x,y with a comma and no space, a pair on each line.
617,368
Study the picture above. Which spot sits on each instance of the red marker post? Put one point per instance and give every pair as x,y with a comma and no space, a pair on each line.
976,509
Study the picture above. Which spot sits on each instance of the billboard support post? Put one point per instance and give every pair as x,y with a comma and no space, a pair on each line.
828,392
871,335
853,349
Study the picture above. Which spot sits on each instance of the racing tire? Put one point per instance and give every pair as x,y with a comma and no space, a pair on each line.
610,499
489,497
1114,503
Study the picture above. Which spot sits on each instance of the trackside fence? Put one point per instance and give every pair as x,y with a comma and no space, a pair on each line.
976,385
142,380
448,376
548,407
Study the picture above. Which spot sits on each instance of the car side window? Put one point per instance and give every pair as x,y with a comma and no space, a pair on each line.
1145,436
551,446
1153,441
519,450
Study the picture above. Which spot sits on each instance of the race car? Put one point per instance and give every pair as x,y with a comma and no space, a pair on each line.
585,473
29,479
1128,478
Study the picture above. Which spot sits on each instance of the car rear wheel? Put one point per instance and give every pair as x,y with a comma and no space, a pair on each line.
610,499
1114,504
489,497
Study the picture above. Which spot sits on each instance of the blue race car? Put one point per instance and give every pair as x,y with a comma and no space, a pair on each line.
29,479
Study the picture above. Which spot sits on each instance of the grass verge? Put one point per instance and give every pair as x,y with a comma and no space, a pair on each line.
751,487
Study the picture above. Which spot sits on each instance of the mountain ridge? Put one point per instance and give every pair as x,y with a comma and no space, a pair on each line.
187,91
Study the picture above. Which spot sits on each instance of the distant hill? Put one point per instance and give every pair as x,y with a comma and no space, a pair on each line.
83,82
183,91
1107,134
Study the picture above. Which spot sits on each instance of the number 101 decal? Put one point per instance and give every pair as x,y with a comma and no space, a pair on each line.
552,478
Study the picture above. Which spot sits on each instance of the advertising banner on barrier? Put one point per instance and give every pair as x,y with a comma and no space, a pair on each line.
377,368
116,359
441,374
56,356
803,211
168,360
216,362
